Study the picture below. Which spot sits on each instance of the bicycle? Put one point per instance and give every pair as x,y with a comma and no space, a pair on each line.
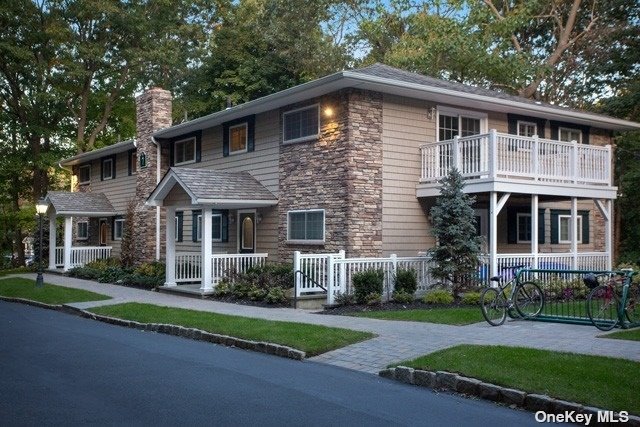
525,297
612,298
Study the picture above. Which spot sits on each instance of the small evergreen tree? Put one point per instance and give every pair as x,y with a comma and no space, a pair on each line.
127,247
458,247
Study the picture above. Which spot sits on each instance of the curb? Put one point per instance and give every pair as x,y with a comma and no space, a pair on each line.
442,380
180,331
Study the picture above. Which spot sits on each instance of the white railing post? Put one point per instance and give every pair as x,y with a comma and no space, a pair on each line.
394,272
534,157
455,158
608,169
574,161
493,153
330,279
207,261
342,278
52,240
68,223
170,256
296,268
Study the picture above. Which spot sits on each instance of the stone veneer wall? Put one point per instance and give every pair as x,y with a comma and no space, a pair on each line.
341,172
153,112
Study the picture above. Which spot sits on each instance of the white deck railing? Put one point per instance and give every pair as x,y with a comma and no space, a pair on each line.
189,265
494,154
82,255
595,261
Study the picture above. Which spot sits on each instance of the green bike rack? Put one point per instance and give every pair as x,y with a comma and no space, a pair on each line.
565,294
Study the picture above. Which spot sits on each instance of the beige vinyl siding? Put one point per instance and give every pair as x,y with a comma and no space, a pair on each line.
498,121
262,164
405,230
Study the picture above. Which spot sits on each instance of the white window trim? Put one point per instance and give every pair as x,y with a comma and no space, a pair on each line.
115,229
198,226
78,230
110,160
176,221
303,138
133,162
246,138
175,146
523,122
305,241
518,216
79,174
579,218
579,131
450,111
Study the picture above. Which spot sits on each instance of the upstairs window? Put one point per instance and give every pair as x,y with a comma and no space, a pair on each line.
184,151
109,168
458,123
306,226
133,163
527,129
84,174
568,135
238,137
302,124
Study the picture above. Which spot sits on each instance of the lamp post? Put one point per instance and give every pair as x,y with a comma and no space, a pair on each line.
41,209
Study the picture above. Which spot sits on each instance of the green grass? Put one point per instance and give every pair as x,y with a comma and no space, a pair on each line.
449,316
625,334
16,270
49,294
592,380
312,339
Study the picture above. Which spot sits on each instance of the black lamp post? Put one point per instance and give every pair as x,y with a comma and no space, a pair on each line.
41,209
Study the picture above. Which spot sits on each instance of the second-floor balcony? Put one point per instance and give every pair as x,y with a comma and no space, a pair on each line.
503,162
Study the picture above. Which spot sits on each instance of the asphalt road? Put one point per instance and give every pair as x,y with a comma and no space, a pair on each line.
59,369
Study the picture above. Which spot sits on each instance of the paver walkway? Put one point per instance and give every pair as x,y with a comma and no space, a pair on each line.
396,340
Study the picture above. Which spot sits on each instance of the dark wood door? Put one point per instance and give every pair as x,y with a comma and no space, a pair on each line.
247,232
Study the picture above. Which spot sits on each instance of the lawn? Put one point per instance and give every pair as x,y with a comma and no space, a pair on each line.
312,339
592,380
624,334
449,316
49,294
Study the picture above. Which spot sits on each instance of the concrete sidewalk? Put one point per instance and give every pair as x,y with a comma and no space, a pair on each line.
396,340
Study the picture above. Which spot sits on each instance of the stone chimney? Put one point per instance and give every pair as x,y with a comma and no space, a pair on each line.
153,112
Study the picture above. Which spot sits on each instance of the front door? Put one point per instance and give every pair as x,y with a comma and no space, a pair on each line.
247,232
103,232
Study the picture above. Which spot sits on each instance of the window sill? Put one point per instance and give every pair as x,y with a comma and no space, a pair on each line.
233,153
300,140
81,239
306,242
84,183
189,162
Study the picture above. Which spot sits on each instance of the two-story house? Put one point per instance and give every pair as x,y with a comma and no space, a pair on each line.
349,161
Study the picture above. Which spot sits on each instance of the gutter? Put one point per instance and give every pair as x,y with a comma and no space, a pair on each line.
158,160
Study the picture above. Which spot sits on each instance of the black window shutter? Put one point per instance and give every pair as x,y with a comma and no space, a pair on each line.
171,153
101,169
585,135
194,225
541,127
554,131
198,148
555,231
251,132
512,122
585,227
129,158
225,226
113,166
180,222
225,140
512,226
113,228
541,226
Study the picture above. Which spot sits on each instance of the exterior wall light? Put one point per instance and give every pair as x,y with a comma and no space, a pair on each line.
328,112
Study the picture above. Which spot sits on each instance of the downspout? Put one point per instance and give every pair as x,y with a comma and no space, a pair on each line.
158,160
70,170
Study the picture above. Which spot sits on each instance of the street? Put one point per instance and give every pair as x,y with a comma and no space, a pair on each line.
61,369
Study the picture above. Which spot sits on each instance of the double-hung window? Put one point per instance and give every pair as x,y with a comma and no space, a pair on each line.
108,168
238,137
82,230
524,227
460,123
216,227
528,129
184,151
568,135
306,226
84,174
302,124
564,227
118,229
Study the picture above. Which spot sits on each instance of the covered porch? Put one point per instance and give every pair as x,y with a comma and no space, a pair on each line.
211,223
69,205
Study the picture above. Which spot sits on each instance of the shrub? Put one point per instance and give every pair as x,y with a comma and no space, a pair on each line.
257,294
153,269
241,290
149,282
87,273
402,297
471,298
223,288
406,281
344,299
112,275
102,264
373,298
438,296
367,282
276,295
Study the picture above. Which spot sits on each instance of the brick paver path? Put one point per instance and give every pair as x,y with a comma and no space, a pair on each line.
396,340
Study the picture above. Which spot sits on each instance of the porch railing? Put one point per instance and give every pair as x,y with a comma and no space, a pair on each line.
189,265
82,255
495,154
593,261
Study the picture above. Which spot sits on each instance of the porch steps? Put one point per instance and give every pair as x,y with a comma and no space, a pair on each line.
185,290
311,302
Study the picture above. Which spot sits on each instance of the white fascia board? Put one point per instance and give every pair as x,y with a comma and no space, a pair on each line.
89,214
119,147
157,196
235,203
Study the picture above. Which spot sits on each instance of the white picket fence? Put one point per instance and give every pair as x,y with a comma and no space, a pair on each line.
593,261
189,265
82,255
333,273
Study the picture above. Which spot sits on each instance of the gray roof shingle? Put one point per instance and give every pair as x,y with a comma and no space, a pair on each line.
208,184
65,202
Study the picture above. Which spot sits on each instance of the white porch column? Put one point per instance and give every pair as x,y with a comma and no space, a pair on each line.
170,277
608,234
68,224
534,229
207,228
574,231
493,233
52,239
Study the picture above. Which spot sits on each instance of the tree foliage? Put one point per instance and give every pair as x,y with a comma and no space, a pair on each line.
457,247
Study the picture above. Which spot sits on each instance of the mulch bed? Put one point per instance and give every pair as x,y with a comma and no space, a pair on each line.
357,308
232,300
